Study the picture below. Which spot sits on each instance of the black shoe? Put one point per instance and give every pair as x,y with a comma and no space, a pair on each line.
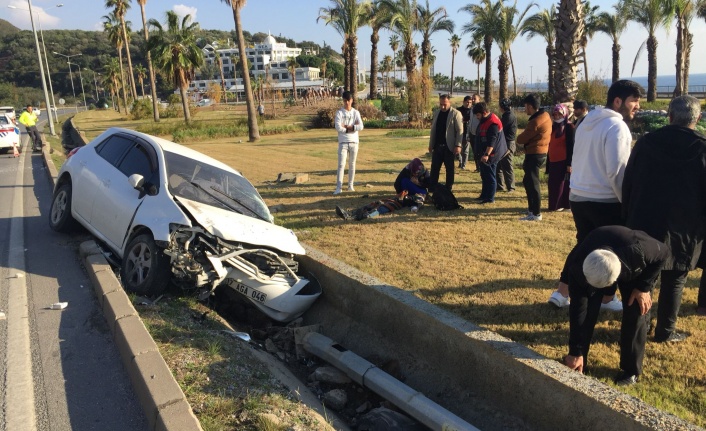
674,337
345,215
625,379
485,201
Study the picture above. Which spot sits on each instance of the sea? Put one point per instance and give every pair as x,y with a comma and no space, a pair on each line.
697,82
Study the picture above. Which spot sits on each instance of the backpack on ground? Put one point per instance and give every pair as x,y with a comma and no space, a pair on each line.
444,199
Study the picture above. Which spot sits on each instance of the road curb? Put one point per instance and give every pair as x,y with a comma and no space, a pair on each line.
163,402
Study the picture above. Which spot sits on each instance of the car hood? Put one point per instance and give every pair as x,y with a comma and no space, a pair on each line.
232,226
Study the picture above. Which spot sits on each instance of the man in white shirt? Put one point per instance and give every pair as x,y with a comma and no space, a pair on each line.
601,149
348,123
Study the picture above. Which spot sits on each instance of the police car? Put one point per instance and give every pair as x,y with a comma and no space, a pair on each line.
9,133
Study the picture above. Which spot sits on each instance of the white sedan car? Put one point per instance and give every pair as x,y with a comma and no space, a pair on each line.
172,214
9,133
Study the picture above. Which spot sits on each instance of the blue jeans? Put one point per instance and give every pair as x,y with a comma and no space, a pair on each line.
487,176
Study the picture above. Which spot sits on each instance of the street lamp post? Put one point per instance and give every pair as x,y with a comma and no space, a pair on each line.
41,66
95,84
80,78
71,76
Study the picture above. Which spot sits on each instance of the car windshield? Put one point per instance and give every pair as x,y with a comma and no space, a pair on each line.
207,184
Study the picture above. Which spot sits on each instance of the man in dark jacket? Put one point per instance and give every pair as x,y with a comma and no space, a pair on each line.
445,140
610,256
506,172
466,115
492,147
664,194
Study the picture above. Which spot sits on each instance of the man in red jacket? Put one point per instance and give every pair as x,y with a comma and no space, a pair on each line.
492,147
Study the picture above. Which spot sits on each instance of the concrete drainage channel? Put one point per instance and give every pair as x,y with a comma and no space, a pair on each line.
478,376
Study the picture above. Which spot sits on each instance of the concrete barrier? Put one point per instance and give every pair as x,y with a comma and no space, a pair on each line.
457,363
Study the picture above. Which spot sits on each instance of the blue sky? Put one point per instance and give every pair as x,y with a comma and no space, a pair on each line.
296,19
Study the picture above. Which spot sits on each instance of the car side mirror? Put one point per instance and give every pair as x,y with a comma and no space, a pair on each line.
137,182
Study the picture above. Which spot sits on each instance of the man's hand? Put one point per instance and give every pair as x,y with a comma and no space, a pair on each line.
644,300
574,362
457,150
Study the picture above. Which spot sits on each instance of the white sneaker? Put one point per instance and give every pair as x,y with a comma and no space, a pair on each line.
529,216
537,217
614,305
558,300
350,188
337,192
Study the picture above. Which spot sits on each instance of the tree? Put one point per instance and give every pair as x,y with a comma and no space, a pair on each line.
141,73
253,130
292,67
386,69
455,42
113,78
477,53
541,25
429,22
324,63
394,44
614,25
590,27
153,83
484,25
651,14
176,53
120,8
684,11
569,30
347,16
219,63
508,30
378,17
114,29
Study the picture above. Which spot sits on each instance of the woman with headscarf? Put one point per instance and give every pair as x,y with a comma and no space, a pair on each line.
558,168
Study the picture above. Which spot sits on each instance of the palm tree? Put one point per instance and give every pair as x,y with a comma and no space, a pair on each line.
292,67
120,8
324,63
394,44
477,53
569,30
153,83
508,30
484,25
429,22
113,78
404,23
590,27
455,42
614,24
141,73
386,68
176,53
219,63
685,11
541,25
378,17
253,130
652,14
112,26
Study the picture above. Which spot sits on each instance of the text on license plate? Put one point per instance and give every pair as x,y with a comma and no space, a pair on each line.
248,291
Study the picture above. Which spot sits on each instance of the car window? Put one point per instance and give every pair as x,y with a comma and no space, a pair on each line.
137,161
210,185
4,121
113,148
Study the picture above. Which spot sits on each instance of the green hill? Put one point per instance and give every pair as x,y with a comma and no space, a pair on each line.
7,28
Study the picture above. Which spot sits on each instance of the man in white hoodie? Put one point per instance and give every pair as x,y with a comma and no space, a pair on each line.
348,123
601,150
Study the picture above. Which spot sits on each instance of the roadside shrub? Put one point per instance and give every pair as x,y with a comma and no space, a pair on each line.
522,119
141,109
594,91
376,124
407,133
369,112
657,105
393,106
361,86
324,118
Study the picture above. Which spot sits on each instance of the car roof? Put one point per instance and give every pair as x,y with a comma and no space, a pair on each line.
175,148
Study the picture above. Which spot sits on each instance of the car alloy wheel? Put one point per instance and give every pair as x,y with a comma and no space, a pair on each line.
60,218
145,269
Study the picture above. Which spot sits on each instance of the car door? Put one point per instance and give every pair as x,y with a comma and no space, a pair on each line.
92,165
115,206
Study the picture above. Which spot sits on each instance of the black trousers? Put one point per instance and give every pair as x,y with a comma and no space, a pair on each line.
34,136
633,329
592,215
670,291
442,155
531,166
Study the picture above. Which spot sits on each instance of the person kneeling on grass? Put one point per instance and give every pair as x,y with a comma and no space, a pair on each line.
612,257
411,187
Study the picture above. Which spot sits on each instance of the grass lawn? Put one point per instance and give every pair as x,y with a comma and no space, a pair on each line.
480,262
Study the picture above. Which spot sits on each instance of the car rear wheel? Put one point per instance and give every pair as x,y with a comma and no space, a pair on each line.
60,218
145,268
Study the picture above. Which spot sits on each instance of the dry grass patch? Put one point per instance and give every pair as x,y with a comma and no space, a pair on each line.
480,263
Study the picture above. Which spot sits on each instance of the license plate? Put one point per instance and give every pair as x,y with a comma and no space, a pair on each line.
248,291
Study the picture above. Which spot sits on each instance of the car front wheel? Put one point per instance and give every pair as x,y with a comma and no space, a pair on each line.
145,268
60,218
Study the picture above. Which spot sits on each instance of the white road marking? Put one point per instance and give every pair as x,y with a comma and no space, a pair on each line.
19,394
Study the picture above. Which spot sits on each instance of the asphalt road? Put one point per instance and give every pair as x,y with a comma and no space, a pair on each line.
59,369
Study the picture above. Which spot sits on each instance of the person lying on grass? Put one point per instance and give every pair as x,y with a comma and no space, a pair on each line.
411,187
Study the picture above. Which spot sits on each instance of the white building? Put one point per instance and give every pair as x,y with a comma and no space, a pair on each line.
269,57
